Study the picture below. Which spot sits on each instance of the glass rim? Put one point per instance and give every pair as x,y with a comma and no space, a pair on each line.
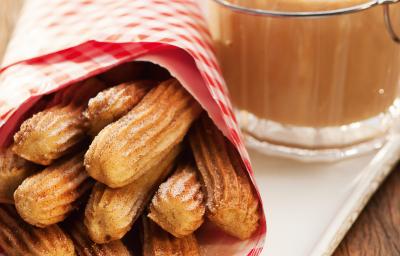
309,14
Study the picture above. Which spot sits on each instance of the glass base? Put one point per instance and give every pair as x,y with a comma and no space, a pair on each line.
318,144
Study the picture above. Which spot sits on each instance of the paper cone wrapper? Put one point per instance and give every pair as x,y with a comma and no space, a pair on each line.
60,42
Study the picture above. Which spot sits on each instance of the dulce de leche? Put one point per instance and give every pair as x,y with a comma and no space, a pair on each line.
308,72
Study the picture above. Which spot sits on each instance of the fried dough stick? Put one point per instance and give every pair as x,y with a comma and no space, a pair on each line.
111,212
113,103
128,148
17,238
86,247
178,205
13,170
157,242
55,131
49,196
231,202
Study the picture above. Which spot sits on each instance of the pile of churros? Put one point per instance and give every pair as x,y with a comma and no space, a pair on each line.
128,153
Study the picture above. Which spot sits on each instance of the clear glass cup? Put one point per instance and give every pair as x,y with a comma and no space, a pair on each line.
310,79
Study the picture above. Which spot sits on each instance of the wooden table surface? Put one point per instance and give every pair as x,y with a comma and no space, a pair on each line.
377,230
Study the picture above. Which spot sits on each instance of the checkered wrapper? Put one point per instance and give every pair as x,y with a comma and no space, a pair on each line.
60,42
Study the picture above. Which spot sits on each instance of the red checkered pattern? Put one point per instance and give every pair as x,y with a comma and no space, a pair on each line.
59,42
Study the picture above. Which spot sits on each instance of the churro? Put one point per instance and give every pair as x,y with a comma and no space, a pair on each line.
49,196
128,148
231,202
178,205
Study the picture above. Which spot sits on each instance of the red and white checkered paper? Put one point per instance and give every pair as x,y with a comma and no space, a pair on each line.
60,42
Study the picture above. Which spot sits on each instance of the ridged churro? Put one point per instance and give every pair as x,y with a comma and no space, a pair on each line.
111,212
49,196
128,148
54,132
157,242
111,104
178,205
13,170
86,247
17,238
231,202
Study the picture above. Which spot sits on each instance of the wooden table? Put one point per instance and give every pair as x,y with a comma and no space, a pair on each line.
375,233
377,230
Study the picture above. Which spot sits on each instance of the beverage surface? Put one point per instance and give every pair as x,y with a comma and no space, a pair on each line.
316,72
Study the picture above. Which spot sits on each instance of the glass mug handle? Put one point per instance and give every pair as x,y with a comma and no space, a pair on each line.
388,21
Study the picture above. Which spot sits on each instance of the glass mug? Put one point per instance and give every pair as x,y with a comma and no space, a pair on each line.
310,79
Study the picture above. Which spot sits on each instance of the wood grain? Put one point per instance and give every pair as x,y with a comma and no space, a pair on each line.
377,230
375,233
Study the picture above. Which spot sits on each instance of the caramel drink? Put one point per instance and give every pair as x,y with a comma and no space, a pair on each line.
314,84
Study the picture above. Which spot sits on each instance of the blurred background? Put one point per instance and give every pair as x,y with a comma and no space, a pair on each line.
9,10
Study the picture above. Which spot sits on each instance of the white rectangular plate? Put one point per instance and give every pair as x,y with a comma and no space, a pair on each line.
310,206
